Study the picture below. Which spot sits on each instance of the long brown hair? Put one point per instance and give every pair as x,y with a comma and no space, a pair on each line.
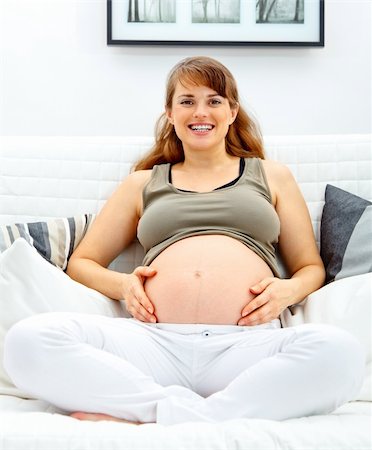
243,138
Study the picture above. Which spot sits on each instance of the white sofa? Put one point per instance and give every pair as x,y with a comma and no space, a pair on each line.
49,177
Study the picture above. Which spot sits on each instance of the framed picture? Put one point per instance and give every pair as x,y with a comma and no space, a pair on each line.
216,22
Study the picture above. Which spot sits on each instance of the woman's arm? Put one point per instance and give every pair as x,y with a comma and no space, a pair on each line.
112,231
297,247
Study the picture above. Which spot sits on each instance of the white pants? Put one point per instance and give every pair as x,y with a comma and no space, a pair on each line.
168,373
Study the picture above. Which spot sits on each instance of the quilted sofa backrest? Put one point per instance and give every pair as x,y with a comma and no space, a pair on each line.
43,177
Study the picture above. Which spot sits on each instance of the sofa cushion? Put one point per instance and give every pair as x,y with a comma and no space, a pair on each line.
346,303
30,285
54,239
345,234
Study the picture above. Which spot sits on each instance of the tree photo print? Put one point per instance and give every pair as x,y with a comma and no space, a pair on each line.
152,11
280,11
216,22
215,11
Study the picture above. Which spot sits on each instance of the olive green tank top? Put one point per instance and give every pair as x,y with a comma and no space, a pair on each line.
242,211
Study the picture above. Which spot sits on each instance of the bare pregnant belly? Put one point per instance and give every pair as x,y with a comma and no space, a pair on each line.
204,279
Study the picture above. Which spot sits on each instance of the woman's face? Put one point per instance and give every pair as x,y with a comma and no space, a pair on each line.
201,117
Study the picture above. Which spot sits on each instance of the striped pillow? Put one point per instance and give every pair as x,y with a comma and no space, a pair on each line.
54,239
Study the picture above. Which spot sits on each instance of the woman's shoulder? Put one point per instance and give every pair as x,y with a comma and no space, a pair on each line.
279,178
134,183
276,171
139,177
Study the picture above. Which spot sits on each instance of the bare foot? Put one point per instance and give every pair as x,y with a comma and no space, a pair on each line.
95,417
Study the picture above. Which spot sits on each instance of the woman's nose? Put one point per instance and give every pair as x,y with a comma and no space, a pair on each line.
200,111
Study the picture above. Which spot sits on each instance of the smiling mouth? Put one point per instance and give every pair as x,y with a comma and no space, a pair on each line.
201,128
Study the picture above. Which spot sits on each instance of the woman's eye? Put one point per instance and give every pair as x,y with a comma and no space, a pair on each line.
216,101
186,102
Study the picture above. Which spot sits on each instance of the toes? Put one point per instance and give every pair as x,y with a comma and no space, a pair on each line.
95,417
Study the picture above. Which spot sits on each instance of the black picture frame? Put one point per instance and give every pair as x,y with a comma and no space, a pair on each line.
125,26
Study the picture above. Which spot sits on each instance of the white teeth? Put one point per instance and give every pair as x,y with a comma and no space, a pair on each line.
201,127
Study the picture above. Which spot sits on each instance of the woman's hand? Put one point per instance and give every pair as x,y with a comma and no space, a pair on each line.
273,295
136,300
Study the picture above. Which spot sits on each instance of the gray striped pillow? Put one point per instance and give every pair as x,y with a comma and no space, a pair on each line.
54,239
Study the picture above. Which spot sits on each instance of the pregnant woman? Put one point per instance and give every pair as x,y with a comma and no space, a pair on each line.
205,341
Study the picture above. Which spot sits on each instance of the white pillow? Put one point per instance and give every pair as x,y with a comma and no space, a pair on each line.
30,285
345,303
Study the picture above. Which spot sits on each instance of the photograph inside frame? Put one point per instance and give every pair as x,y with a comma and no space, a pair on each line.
215,11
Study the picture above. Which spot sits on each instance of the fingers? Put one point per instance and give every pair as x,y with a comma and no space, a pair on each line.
144,271
262,285
259,316
140,313
260,309
141,308
254,304
136,300
259,300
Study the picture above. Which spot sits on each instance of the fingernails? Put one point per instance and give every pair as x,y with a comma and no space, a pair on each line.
152,319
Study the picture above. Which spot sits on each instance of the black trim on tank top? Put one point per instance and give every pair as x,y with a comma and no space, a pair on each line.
230,183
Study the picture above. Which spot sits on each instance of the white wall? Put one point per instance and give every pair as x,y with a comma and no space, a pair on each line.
58,76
